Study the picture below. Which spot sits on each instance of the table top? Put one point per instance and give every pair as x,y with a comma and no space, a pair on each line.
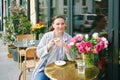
27,44
69,72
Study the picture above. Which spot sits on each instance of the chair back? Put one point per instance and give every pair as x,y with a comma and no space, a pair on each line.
30,60
25,36
31,53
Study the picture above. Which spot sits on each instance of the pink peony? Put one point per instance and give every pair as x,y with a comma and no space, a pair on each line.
85,45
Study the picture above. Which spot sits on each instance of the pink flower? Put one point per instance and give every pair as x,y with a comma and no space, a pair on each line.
88,47
80,46
85,45
71,44
106,44
95,51
79,38
99,46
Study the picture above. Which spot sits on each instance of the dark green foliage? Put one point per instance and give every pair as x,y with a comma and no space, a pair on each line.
16,25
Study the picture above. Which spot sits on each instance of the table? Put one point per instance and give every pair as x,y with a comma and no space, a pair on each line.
69,72
23,45
28,44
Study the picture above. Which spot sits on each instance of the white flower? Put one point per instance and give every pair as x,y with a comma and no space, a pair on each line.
80,35
103,39
86,36
71,43
95,35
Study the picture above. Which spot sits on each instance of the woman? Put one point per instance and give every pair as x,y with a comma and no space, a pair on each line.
52,47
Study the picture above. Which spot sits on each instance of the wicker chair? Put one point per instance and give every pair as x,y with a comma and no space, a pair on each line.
21,50
23,36
30,60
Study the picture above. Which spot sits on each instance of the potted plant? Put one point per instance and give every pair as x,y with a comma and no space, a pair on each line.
9,37
15,25
39,29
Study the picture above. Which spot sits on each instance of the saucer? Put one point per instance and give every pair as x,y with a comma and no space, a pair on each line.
60,63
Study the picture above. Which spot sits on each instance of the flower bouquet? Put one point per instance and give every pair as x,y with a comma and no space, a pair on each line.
88,47
39,28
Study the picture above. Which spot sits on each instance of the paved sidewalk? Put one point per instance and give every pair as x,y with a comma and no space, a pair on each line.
8,67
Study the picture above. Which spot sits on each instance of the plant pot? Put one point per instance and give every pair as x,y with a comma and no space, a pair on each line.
14,54
9,55
38,36
9,52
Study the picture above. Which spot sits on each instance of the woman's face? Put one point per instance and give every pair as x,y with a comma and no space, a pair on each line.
59,25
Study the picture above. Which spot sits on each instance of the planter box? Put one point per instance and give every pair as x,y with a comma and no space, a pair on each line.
12,50
14,54
11,47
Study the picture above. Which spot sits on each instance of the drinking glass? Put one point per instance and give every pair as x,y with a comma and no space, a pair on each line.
80,66
25,42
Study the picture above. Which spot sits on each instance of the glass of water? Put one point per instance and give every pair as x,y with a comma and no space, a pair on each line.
80,66
25,42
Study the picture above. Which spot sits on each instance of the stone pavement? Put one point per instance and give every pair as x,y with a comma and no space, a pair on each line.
8,67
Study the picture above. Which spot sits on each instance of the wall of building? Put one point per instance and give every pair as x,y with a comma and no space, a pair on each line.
32,12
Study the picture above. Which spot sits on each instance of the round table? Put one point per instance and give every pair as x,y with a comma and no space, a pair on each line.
29,44
69,72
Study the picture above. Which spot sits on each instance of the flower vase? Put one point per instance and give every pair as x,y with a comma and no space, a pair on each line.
38,36
88,59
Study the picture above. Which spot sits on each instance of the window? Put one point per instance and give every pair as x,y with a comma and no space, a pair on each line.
78,17
90,17
83,2
65,2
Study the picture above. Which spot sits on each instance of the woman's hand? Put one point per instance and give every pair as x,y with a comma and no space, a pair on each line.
50,44
59,42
